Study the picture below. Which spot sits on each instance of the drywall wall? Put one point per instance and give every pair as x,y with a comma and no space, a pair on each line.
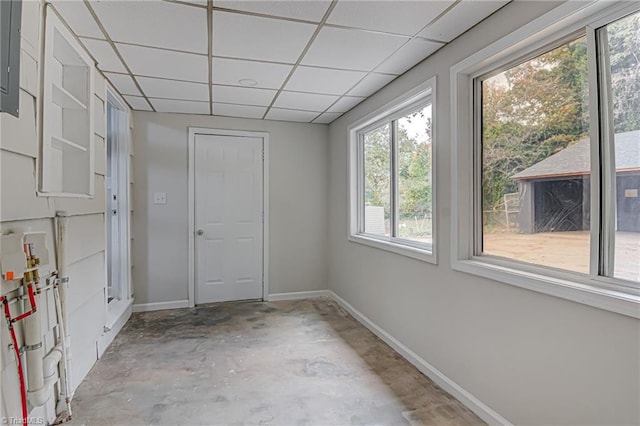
21,210
297,197
535,359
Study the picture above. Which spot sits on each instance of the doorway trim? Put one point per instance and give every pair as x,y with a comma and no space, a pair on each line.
118,312
193,132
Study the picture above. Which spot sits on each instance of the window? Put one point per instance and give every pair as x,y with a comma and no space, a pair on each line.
67,122
392,181
546,175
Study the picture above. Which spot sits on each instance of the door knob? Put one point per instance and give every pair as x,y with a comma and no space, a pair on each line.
199,232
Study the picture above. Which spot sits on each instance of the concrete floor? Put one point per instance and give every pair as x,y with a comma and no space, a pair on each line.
304,362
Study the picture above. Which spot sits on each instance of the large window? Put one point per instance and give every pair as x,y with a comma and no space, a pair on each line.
552,198
393,178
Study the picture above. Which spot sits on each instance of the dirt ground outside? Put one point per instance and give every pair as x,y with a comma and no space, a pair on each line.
565,250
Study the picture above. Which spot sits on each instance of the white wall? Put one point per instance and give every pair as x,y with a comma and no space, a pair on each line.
298,165
535,359
22,210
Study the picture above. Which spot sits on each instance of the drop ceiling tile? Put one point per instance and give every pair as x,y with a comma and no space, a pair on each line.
230,71
407,18
345,104
304,101
460,18
323,80
172,89
76,14
244,111
184,107
290,115
155,23
123,83
409,55
165,63
251,37
243,95
327,117
138,103
310,10
371,84
104,54
351,49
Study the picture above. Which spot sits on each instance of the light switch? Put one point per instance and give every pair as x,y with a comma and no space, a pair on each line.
159,198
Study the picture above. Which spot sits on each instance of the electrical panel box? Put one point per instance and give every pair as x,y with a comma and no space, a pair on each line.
13,257
10,21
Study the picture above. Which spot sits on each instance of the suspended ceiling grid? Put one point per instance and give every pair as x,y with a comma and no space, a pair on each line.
300,60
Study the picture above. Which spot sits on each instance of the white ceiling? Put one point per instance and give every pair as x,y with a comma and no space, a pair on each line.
293,60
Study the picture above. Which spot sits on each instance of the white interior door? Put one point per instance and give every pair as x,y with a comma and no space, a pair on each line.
228,218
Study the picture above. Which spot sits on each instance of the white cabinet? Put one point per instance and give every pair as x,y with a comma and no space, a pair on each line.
67,114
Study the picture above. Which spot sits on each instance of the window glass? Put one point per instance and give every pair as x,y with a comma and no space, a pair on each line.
377,181
624,47
414,176
535,161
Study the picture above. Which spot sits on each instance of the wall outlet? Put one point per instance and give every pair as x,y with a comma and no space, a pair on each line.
159,198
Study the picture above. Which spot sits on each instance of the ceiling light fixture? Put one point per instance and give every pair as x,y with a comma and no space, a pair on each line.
247,82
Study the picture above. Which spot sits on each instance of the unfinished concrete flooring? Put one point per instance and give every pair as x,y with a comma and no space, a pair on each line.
304,362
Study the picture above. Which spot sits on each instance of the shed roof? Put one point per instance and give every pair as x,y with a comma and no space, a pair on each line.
575,159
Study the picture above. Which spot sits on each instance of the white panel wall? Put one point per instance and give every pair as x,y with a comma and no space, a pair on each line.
22,210
298,203
533,358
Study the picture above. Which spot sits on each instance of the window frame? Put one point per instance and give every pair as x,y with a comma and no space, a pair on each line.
413,100
551,29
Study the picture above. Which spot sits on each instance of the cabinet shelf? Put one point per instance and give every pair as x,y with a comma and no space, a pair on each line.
63,143
63,98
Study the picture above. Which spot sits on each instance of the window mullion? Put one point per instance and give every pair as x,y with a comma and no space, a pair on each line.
394,179
605,161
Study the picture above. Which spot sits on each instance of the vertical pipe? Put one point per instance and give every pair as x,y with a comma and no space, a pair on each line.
63,287
35,353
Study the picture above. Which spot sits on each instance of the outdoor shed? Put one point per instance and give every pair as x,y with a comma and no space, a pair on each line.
555,192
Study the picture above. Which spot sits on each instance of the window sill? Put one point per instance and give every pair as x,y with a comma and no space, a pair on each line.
394,247
587,291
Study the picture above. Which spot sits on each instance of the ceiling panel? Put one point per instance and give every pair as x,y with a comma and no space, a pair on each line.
123,83
231,71
184,107
351,49
304,101
398,17
409,55
460,18
371,84
104,54
244,111
327,117
171,89
323,80
311,10
76,14
138,103
251,37
155,23
165,64
345,104
243,95
290,115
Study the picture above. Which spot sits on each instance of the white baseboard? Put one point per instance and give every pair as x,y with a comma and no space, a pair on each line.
159,306
299,295
466,398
